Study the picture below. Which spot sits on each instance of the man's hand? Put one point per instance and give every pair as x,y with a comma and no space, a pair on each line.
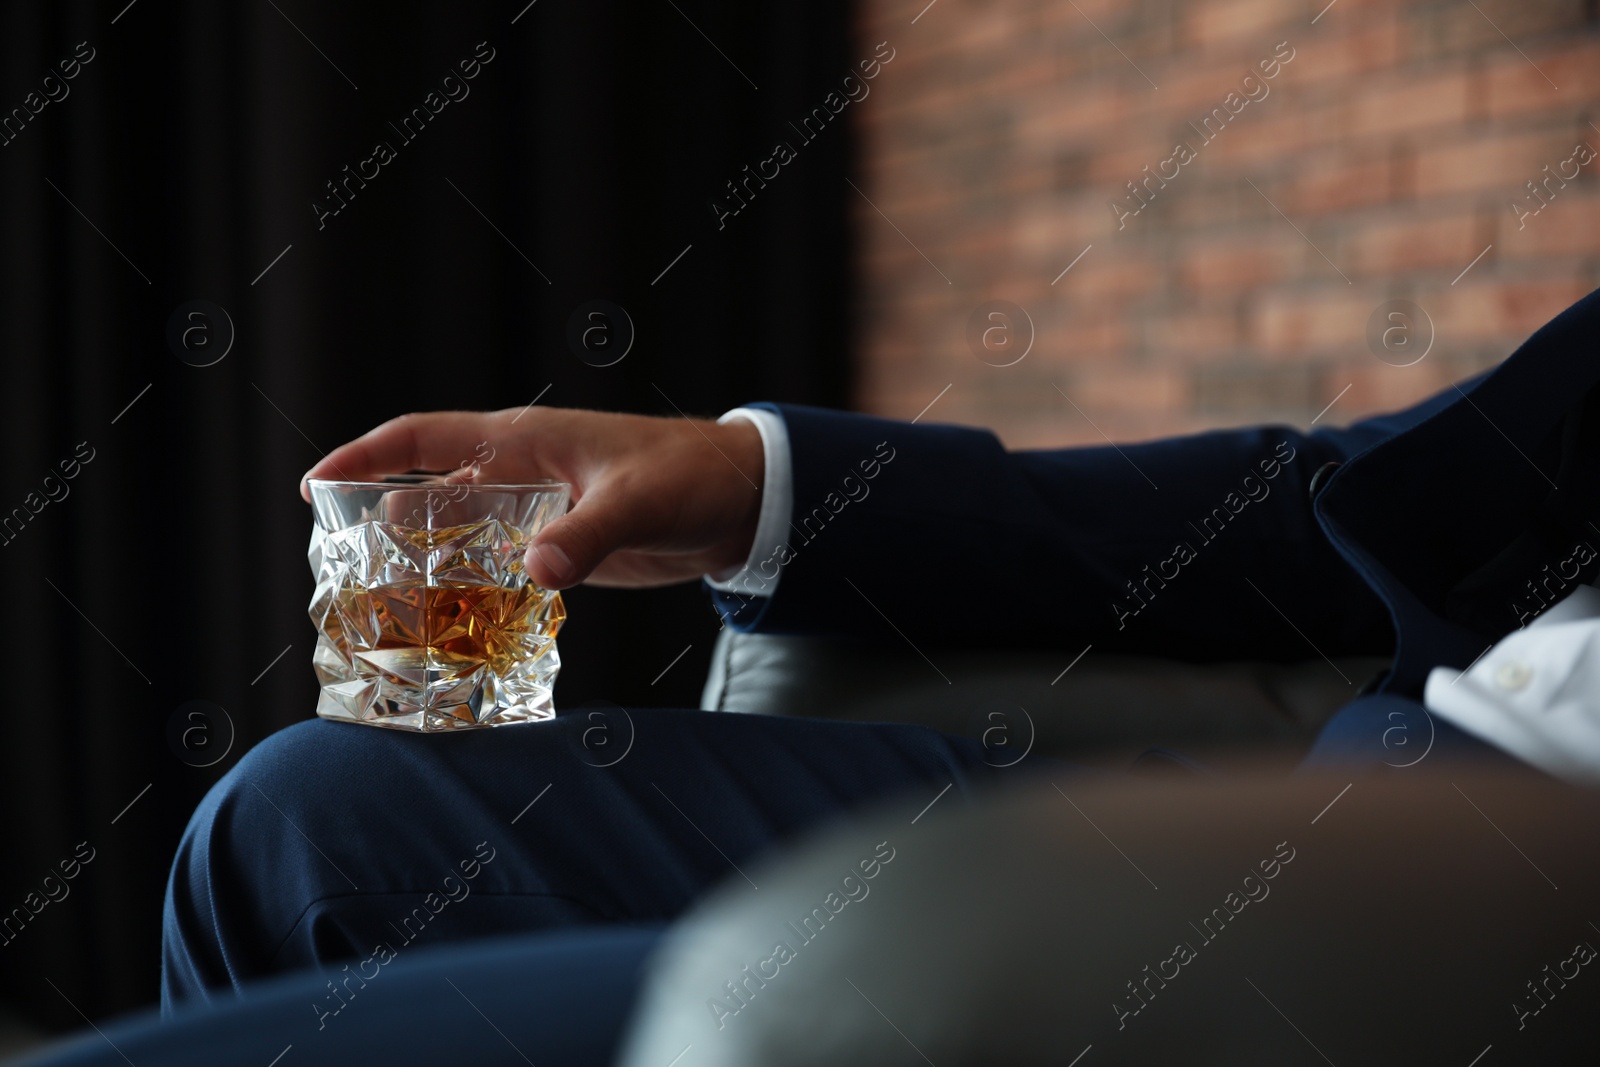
654,500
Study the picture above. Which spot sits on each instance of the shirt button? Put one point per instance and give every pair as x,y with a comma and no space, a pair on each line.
1513,675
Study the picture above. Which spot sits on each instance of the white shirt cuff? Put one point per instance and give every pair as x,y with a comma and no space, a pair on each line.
777,504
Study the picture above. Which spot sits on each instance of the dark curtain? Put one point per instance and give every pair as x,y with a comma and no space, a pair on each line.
181,163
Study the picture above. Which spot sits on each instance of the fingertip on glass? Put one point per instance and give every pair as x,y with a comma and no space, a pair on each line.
553,560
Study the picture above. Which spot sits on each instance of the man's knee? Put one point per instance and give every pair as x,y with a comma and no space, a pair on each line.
243,857
300,801
289,776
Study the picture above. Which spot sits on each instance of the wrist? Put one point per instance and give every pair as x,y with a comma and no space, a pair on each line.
740,442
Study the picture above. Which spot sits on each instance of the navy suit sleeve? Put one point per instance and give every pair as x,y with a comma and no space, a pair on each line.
1198,547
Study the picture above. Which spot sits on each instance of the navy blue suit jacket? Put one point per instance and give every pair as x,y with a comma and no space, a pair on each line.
1430,534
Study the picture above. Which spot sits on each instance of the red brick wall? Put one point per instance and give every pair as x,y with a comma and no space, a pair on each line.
1395,140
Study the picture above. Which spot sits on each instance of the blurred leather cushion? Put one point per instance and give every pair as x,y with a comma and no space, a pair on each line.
1108,707
1394,927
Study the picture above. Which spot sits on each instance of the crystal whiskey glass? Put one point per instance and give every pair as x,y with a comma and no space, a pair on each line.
426,619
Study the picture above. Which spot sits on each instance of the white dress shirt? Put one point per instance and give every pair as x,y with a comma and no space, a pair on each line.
1535,694
777,504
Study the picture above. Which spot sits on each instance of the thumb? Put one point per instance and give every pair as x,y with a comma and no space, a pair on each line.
570,548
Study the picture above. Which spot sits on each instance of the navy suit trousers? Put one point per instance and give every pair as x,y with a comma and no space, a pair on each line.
365,862
560,997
